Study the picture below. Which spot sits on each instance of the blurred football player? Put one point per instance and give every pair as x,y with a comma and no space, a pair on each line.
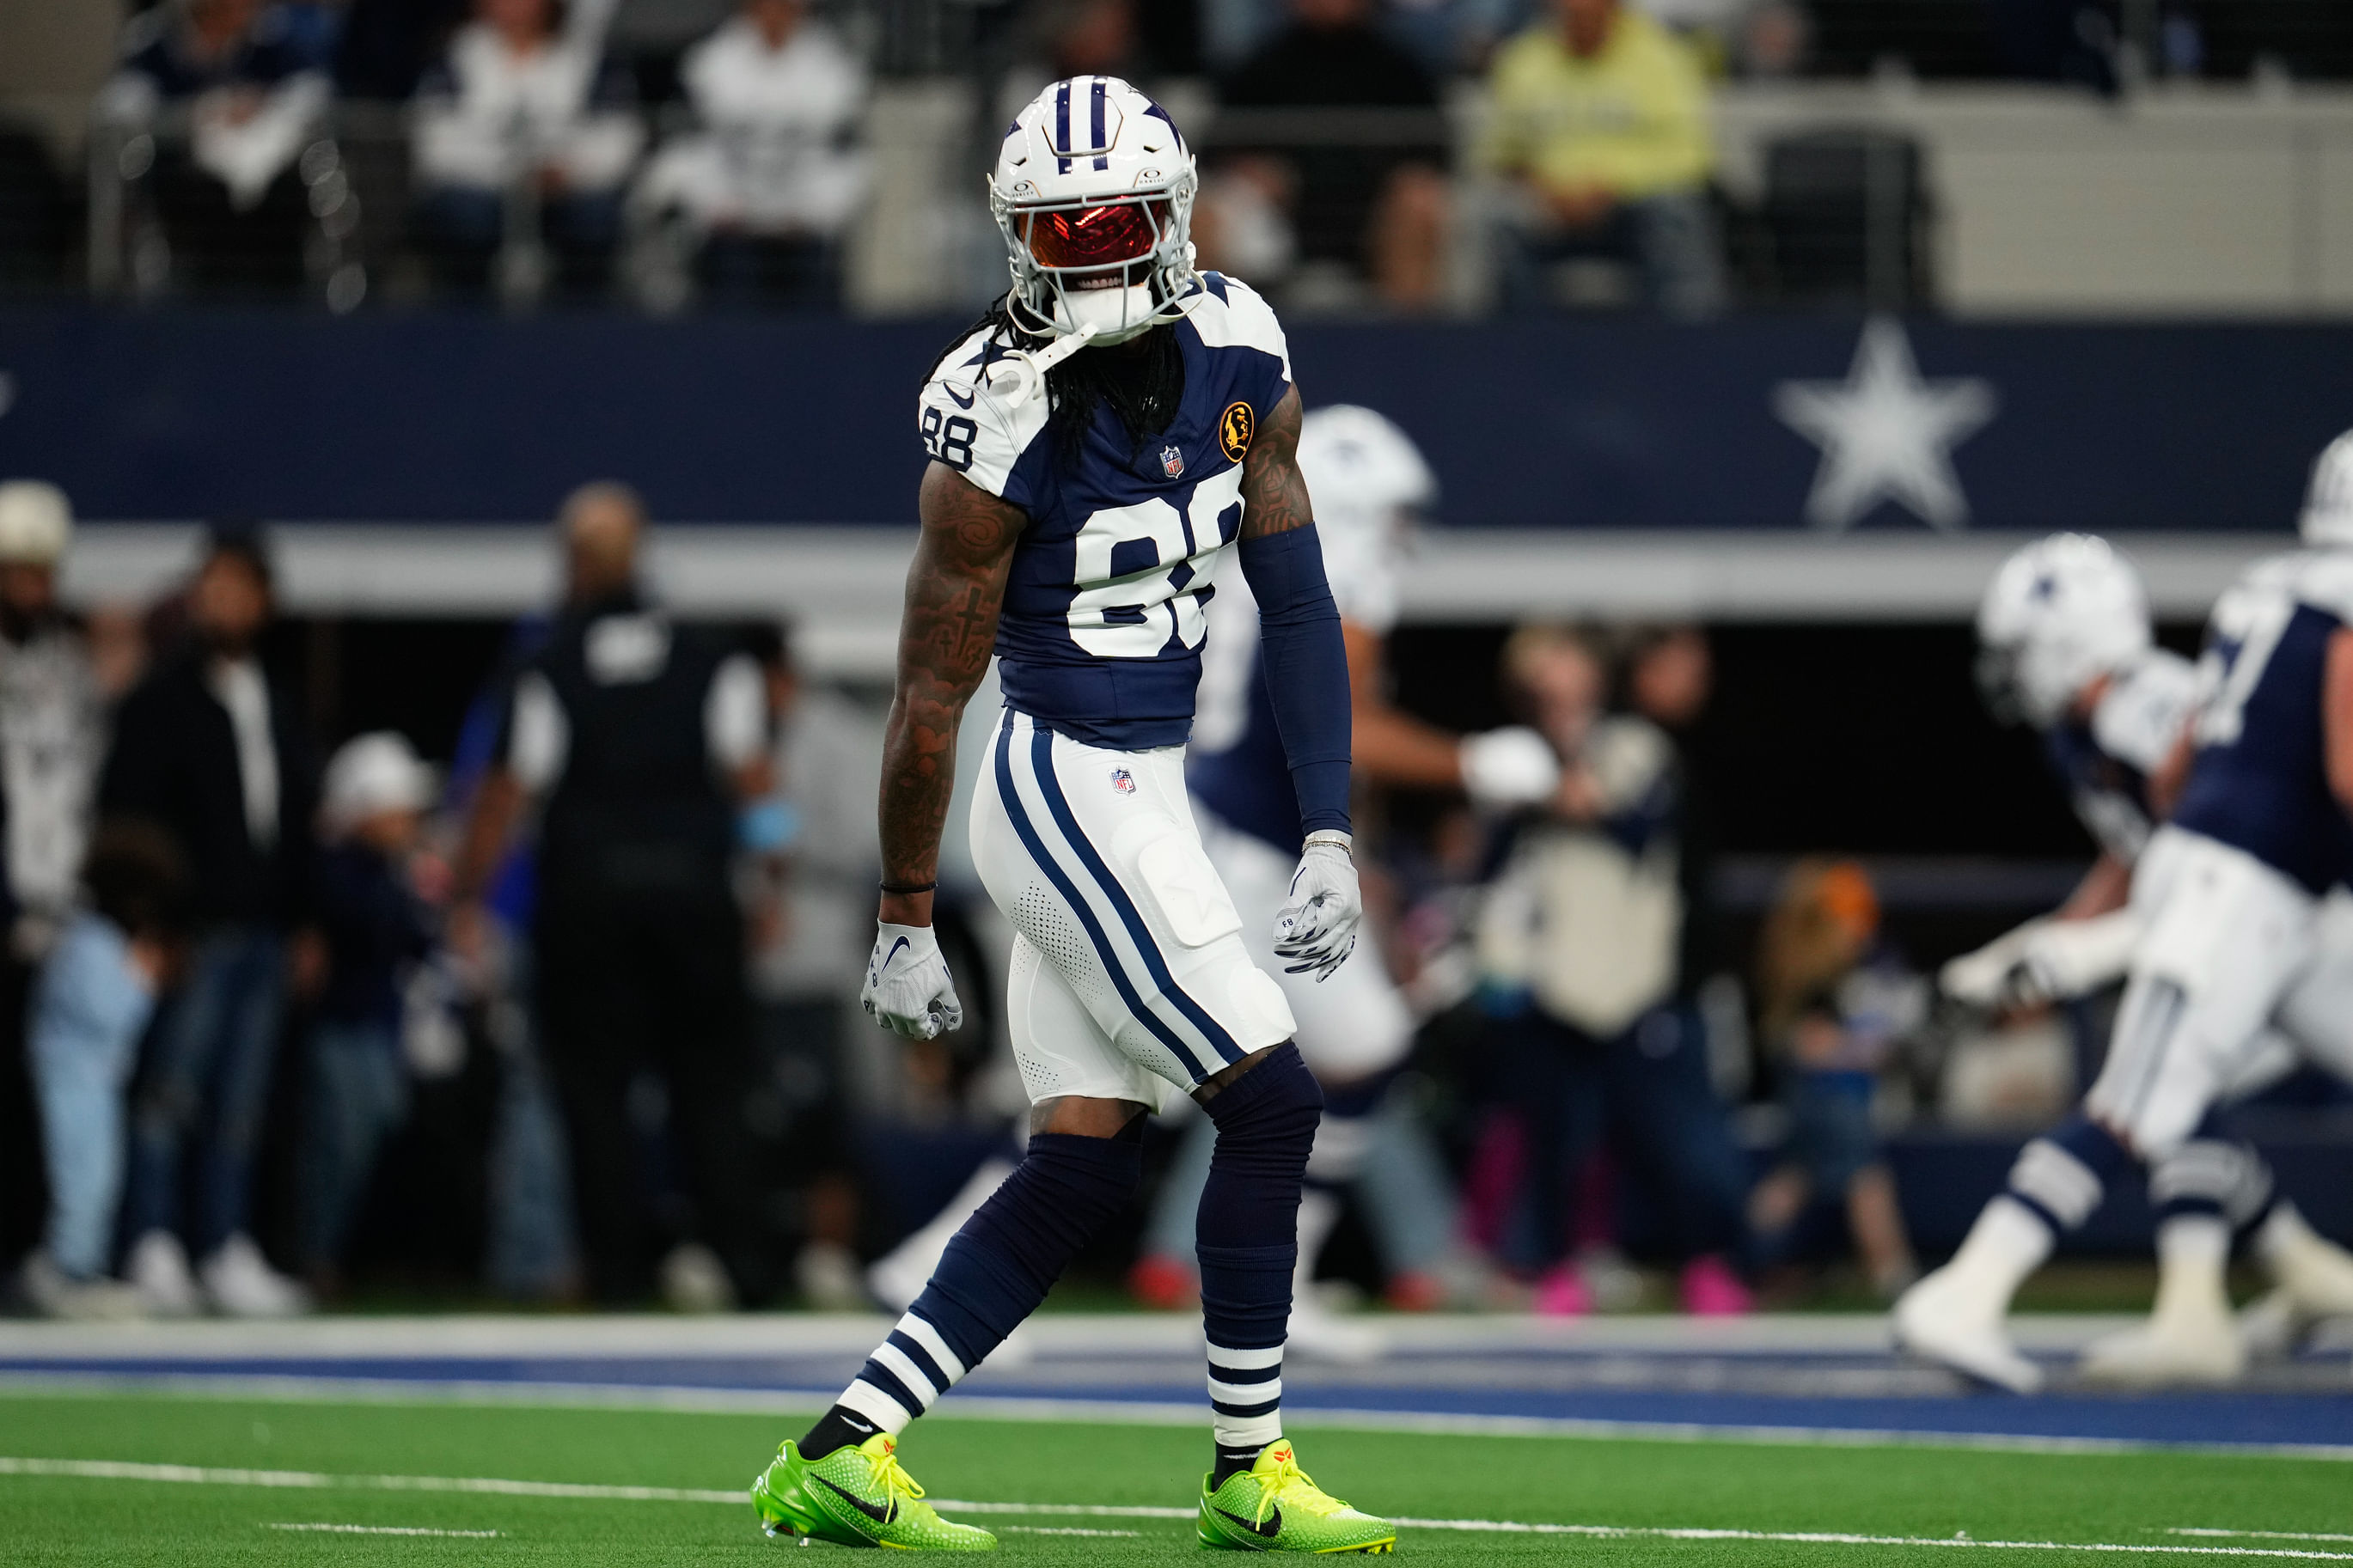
2226,934
1107,433
2065,646
1369,482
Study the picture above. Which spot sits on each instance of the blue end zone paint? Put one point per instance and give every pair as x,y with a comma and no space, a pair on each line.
2230,1417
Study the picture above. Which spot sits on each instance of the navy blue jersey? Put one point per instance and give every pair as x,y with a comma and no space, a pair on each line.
2261,781
1105,610
2104,758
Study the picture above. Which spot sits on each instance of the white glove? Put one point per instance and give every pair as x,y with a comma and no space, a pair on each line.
1508,767
1316,928
2044,960
908,988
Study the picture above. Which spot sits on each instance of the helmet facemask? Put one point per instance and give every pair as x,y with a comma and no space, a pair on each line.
1109,267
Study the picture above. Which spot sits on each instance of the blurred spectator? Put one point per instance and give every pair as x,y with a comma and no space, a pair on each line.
206,750
52,721
524,140
52,736
1580,941
234,210
813,839
638,734
1669,676
774,176
1829,1018
1071,38
1600,119
1377,208
95,995
376,931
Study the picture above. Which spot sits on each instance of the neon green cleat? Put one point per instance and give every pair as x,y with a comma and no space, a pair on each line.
1273,1507
856,1497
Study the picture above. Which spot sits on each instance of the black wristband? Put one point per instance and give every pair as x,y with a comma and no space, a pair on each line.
908,889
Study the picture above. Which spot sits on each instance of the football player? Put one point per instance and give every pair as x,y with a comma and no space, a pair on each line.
2225,930
1369,482
1111,430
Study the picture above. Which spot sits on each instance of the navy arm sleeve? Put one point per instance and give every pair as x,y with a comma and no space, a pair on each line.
1306,666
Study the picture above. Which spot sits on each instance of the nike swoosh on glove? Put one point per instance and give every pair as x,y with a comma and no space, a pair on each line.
1317,929
908,988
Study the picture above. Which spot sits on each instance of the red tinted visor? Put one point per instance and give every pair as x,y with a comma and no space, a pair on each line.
1106,235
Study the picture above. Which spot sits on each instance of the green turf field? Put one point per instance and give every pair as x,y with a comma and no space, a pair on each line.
335,1460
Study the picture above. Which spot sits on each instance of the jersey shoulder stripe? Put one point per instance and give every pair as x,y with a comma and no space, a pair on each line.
1233,315
967,420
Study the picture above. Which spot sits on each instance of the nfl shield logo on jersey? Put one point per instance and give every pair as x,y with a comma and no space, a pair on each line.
1121,779
1172,461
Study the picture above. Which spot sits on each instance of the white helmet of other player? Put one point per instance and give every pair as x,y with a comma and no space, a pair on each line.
1368,482
1094,191
2061,612
2328,520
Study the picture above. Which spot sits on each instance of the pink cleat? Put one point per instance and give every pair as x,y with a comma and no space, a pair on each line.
1563,1294
1711,1289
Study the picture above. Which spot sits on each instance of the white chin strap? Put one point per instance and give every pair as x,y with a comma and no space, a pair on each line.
1027,368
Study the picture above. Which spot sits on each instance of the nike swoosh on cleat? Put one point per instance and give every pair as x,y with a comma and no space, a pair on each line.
1271,1527
880,1515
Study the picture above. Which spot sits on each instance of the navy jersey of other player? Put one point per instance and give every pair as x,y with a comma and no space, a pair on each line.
1105,610
1238,767
2259,781
1368,482
2105,759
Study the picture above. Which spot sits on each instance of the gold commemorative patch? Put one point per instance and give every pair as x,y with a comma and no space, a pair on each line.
1235,427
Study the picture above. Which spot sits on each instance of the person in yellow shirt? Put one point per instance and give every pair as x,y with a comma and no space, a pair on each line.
1599,116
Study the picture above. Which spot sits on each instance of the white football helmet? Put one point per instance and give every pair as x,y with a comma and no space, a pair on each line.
1369,485
2328,520
1094,191
2060,614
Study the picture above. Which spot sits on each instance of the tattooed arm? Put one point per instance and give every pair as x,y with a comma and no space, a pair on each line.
1275,495
955,588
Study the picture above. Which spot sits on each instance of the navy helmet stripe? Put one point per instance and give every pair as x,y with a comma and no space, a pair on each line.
1043,754
1095,107
1062,127
1036,845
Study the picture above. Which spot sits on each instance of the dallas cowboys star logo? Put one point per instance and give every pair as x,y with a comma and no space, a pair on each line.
1885,434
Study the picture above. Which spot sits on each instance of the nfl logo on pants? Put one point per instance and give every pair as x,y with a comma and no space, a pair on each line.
1172,461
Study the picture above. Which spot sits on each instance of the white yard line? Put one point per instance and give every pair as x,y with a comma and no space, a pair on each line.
383,1530
2263,1534
196,1475
688,1400
1062,1530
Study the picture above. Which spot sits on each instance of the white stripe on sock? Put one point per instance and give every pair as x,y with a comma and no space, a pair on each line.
1256,1432
1245,1392
903,1366
887,1414
1245,1361
923,1334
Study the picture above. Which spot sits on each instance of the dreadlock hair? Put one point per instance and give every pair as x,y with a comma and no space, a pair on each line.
1142,386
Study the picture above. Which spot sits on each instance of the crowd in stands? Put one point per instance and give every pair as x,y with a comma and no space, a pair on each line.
670,152
575,1019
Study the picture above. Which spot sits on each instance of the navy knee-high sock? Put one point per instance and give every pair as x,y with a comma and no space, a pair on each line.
993,1275
1247,1234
